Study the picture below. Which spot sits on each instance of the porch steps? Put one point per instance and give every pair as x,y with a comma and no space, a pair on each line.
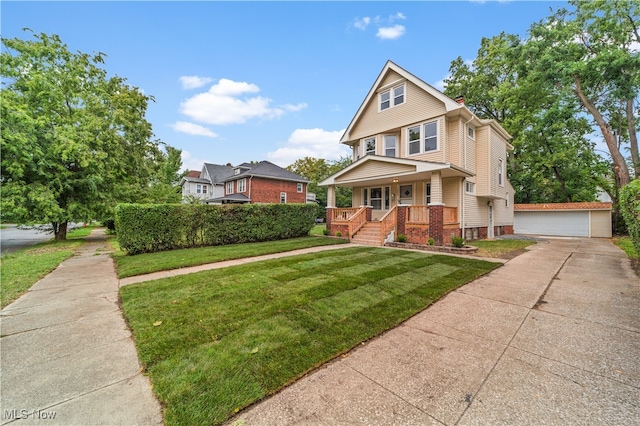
368,235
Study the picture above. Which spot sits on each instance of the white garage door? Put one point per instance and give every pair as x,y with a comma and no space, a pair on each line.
568,224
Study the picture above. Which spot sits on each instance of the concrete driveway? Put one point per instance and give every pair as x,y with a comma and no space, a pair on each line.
552,337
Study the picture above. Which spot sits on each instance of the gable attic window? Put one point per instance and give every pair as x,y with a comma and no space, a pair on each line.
392,97
236,172
370,146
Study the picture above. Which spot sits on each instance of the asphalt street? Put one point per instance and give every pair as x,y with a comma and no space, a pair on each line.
13,237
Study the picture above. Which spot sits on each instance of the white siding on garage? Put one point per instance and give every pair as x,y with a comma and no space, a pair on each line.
561,223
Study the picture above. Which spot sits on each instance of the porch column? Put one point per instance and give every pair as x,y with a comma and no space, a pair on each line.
436,210
331,196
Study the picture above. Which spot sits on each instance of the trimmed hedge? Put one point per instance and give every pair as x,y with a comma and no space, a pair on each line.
147,228
630,209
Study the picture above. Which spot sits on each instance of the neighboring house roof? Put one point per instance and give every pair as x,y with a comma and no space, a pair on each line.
193,174
414,166
563,206
265,169
218,173
235,198
449,104
194,179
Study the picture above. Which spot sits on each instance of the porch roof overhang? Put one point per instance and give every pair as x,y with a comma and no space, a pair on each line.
375,170
232,198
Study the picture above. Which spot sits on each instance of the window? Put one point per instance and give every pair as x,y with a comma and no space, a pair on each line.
414,140
299,187
390,146
236,172
204,189
198,189
469,187
283,198
365,197
471,132
376,198
506,202
500,172
395,95
370,146
242,185
229,187
431,136
427,133
427,194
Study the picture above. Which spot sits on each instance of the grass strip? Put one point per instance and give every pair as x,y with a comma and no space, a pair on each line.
217,341
23,268
147,263
504,249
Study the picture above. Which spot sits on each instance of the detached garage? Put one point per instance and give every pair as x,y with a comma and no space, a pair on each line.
563,219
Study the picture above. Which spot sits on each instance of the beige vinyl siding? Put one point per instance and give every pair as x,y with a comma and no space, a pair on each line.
476,212
503,212
356,198
482,160
601,224
498,151
375,169
453,142
440,154
451,191
468,162
418,105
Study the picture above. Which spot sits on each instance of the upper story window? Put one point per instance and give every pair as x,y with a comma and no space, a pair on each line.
390,143
392,97
500,172
242,185
229,188
198,189
422,138
370,146
236,171
469,187
471,132
299,187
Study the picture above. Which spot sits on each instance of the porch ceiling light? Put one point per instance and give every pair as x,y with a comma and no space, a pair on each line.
395,180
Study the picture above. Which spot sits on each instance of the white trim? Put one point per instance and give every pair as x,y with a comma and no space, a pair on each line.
229,188
242,185
283,195
392,96
501,172
366,141
472,185
421,140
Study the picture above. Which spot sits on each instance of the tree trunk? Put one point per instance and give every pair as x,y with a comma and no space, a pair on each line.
619,165
633,138
60,230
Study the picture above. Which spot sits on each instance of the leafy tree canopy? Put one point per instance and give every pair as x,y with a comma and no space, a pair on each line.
317,170
73,140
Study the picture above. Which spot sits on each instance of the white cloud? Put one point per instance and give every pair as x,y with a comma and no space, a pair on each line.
190,162
398,15
193,129
318,143
391,33
193,81
440,84
363,23
224,103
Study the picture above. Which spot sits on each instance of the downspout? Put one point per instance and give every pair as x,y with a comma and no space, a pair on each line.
250,179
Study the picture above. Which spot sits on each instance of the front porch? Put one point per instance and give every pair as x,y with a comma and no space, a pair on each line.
418,223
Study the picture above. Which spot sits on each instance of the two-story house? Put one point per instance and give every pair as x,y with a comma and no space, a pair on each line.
262,182
423,165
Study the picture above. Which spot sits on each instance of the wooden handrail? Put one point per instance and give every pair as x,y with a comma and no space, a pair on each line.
343,214
357,221
388,222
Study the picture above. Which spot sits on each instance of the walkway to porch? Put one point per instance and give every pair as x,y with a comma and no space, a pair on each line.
417,223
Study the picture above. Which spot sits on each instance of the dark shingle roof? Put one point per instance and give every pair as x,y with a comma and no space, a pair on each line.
218,173
267,169
235,198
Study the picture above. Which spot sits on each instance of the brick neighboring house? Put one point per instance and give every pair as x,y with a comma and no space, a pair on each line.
262,182
423,165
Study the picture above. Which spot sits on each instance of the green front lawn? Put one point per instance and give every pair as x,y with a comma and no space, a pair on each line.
162,261
217,341
504,249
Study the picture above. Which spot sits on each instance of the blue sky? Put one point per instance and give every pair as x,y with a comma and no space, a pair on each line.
277,81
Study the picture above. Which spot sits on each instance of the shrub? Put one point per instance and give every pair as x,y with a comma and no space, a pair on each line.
110,224
402,238
630,209
325,231
338,234
457,241
431,241
157,227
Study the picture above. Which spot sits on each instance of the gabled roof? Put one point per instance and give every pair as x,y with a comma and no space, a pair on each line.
217,173
449,103
265,169
193,174
232,198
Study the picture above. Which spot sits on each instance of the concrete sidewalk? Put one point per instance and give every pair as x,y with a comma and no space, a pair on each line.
552,337
67,355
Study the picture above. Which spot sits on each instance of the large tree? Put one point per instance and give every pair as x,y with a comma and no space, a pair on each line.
552,160
318,169
74,141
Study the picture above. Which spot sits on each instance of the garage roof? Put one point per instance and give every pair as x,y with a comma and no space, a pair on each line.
562,206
